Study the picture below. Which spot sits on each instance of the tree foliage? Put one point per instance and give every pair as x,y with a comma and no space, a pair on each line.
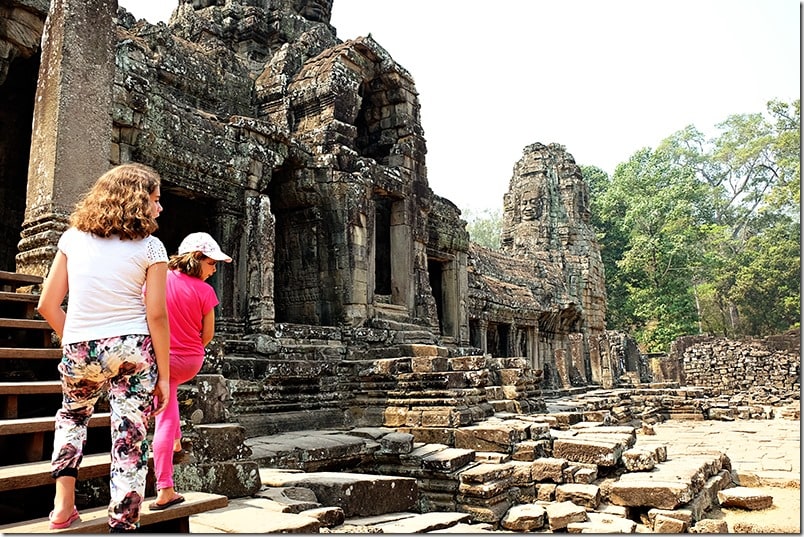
702,235
484,227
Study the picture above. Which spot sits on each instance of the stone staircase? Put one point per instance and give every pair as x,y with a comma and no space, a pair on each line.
30,394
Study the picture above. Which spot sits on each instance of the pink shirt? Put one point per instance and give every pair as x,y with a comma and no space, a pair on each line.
188,300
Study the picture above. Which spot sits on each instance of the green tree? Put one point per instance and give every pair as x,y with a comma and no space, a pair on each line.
703,234
484,227
650,207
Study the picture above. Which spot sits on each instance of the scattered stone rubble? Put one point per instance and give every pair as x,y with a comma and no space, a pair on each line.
543,472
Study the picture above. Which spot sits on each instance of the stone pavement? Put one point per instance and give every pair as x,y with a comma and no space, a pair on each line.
762,452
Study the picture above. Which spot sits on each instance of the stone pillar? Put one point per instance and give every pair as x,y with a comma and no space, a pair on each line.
483,326
72,125
258,263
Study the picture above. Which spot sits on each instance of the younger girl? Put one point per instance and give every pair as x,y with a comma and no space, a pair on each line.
191,311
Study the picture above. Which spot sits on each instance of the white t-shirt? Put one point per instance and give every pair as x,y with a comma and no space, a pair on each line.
105,278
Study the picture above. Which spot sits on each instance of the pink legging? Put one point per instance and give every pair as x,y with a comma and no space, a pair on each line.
168,425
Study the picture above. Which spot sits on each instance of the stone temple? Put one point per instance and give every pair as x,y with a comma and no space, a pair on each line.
304,155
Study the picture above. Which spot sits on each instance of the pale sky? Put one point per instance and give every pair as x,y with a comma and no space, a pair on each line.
602,78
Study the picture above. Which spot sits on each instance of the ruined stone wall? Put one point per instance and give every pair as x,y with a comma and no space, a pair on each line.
771,366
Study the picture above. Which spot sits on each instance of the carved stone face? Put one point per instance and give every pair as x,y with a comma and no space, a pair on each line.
315,10
531,206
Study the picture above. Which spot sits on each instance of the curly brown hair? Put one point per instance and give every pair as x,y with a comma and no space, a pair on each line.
189,263
119,203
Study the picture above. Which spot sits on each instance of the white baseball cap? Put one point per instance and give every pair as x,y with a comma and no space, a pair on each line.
204,243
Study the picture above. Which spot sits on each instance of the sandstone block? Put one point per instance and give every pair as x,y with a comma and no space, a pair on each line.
525,517
448,460
648,493
709,525
548,469
595,451
329,517
666,524
561,514
397,443
602,523
585,495
487,472
744,498
489,437
546,492
356,494
639,460
293,499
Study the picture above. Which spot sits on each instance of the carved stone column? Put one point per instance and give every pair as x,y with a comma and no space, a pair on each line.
258,263
72,125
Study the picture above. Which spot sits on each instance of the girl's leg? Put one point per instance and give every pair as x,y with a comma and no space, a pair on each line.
166,424
182,369
168,428
82,382
131,400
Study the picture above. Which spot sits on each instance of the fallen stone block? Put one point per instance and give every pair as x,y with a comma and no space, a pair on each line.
448,460
246,515
356,494
548,469
525,517
292,499
486,489
491,512
665,495
490,437
423,523
600,451
639,460
561,514
744,498
329,517
546,492
234,479
708,525
603,523
584,495
666,524
485,472
397,443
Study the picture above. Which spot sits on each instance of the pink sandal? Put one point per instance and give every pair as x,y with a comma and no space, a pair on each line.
66,524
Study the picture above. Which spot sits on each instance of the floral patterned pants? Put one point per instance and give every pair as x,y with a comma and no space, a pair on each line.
125,367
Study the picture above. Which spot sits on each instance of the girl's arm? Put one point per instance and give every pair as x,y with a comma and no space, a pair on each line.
208,327
54,289
157,317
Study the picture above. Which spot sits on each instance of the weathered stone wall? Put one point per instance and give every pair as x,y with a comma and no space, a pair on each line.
771,366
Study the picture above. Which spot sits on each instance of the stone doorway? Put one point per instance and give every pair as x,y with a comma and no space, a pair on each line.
17,94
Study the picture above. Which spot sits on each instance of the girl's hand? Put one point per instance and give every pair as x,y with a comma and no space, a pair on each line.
161,395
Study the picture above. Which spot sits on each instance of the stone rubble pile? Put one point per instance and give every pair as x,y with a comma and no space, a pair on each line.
552,472
660,401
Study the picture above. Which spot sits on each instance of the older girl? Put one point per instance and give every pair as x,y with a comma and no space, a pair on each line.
113,340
